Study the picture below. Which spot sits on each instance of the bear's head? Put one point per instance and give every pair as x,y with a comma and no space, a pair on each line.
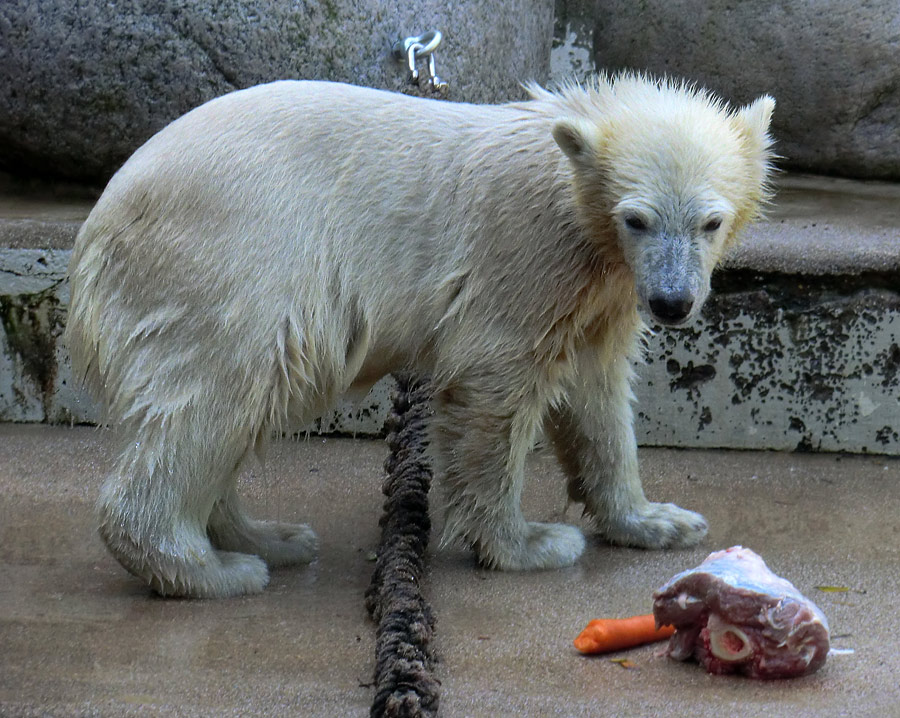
665,176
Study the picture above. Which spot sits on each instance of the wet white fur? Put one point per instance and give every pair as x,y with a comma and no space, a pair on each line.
281,245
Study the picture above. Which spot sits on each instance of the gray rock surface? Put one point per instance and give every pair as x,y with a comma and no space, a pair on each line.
82,85
831,65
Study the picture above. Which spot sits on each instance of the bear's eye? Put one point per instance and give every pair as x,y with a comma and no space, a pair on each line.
712,225
632,221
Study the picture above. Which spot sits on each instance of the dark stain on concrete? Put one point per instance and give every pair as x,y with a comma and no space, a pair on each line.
705,418
888,363
690,376
33,324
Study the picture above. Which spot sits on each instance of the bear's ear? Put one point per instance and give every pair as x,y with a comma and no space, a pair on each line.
577,138
754,120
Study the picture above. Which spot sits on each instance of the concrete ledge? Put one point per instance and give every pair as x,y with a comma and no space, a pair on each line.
798,348
38,217
825,225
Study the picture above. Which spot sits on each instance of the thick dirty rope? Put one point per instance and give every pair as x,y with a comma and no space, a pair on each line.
404,684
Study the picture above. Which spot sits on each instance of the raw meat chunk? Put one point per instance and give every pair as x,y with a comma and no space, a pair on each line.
735,616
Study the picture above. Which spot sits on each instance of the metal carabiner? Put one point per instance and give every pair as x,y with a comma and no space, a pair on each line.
413,48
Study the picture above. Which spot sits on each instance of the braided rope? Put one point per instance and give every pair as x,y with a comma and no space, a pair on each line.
404,684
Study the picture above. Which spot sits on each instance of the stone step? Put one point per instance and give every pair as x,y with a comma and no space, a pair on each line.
798,348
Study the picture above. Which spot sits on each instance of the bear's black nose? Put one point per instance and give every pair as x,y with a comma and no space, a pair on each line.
671,308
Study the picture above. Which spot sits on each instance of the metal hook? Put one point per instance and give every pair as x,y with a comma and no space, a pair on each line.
419,46
415,48
427,43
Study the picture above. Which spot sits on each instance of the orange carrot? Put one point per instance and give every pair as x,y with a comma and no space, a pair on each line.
613,634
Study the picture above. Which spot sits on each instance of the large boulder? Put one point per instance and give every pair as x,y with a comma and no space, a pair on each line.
82,85
831,65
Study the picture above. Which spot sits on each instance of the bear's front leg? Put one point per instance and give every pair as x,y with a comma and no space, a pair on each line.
593,435
483,436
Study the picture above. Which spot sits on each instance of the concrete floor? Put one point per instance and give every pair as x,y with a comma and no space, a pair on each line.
79,636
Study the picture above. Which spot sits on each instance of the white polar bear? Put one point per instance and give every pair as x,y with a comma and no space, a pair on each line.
284,244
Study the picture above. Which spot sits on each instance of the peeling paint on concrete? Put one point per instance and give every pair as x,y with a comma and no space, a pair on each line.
570,58
776,361
572,52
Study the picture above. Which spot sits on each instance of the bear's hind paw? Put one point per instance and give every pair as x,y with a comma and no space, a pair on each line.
285,544
222,575
275,542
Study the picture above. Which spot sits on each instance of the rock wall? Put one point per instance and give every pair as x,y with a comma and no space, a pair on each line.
832,66
82,85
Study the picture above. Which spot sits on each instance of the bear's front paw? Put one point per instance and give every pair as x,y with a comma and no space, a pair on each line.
655,526
541,546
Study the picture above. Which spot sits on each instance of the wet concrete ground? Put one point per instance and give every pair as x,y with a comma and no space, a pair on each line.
80,637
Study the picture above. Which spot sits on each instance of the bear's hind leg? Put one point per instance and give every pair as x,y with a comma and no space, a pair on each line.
154,510
277,543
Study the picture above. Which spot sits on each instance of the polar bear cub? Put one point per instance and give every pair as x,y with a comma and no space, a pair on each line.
281,245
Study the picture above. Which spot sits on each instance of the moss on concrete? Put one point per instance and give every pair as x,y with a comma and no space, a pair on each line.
33,324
